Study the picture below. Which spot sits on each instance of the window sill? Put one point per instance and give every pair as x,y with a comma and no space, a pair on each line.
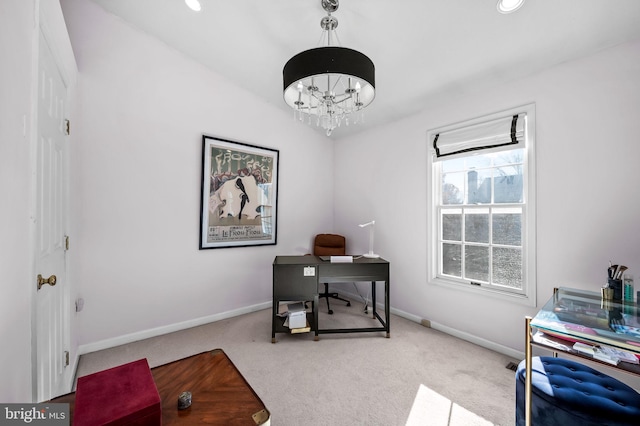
522,299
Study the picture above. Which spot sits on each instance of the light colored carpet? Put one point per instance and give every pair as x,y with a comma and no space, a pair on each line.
419,376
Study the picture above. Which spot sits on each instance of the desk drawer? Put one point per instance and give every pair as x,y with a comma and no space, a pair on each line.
345,272
291,281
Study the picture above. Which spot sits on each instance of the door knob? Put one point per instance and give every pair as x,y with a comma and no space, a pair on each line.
42,281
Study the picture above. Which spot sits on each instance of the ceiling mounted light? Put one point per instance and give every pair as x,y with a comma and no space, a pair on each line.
330,84
193,5
509,6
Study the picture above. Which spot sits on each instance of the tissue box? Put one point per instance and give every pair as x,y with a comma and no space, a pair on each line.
123,395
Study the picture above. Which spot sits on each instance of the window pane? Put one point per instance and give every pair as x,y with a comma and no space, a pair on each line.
452,188
476,161
452,165
507,267
476,228
508,184
451,259
507,229
515,156
479,186
452,227
476,263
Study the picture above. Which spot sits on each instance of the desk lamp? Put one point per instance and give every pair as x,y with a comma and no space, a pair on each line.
371,254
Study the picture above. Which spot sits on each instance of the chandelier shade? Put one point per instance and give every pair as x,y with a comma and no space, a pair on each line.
330,60
331,84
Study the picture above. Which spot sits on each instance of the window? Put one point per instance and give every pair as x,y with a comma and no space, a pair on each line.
482,205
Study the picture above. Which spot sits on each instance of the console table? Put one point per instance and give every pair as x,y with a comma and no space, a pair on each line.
573,315
296,278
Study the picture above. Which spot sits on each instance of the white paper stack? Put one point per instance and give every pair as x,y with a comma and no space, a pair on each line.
341,259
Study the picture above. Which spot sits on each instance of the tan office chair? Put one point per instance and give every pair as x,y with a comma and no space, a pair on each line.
329,245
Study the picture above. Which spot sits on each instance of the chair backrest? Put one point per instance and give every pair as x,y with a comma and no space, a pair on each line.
329,245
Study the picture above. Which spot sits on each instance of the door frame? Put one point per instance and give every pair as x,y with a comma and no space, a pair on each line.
49,20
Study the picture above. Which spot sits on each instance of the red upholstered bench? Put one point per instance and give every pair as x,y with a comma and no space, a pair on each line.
124,395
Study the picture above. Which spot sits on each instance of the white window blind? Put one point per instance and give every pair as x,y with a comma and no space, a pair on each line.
489,136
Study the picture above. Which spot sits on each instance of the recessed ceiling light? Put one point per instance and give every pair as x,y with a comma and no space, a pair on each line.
193,5
508,6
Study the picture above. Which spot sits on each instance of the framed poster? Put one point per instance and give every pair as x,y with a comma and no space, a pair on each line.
239,194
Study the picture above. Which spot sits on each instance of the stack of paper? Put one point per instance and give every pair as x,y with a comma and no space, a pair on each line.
619,354
607,354
297,318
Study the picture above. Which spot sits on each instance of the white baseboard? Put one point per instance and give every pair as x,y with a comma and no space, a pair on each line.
145,334
505,350
159,331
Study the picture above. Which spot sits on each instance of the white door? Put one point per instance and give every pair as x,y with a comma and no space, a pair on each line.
52,298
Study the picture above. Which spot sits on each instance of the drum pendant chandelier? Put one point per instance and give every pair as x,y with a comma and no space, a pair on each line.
329,85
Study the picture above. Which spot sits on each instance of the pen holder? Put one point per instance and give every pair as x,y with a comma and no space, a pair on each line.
616,285
607,298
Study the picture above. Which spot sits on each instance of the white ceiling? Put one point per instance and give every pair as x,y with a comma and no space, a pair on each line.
422,49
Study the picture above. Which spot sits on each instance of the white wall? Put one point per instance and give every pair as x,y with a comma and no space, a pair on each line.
143,108
588,202
16,37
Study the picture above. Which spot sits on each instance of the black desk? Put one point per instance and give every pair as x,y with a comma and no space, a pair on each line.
296,278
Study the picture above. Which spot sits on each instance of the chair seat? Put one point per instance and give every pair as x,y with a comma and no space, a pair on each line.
565,392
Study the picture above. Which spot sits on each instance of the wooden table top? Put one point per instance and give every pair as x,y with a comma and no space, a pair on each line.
220,394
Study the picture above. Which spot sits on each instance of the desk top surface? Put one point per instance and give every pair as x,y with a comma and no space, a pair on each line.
316,260
585,316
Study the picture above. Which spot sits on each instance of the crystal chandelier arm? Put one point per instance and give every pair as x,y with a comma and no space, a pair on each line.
346,98
314,94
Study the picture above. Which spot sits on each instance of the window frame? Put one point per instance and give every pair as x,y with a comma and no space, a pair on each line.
527,295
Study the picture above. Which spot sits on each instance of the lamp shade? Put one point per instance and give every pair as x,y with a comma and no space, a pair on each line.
336,63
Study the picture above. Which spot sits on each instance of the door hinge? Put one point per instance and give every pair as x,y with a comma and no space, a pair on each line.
66,358
66,242
67,127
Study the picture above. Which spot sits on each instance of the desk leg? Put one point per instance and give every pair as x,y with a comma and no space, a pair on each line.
274,315
527,383
373,299
387,307
315,308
